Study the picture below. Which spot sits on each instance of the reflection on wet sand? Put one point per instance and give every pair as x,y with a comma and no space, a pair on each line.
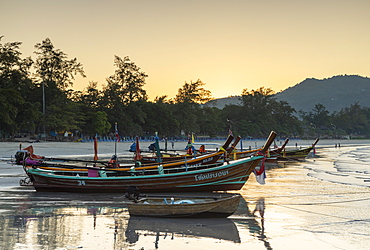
255,225
60,227
74,226
217,228
304,202
56,222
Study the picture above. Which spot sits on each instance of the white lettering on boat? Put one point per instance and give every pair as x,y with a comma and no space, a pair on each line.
192,165
201,177
208,159
81,183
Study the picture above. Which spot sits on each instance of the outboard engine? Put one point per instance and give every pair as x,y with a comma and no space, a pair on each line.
132,193
21,156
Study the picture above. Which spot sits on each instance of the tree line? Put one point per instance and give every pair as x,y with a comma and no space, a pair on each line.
36,98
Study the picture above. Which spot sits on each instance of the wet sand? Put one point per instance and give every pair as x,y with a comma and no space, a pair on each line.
303,205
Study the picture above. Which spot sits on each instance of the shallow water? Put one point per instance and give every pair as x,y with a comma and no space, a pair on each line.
320,203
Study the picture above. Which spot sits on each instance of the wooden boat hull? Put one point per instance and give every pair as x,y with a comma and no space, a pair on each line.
230,176
205,159
166,159
222,207
243,154
201,160
272,155
299,154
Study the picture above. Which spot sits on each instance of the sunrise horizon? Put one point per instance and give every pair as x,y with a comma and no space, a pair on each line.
228,45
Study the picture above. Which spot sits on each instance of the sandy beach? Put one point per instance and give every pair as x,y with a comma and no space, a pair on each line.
321,203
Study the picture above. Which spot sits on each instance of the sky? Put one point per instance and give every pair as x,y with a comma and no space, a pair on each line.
230,45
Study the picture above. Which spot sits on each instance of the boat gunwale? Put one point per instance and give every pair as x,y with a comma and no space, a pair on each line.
182,209
47,173
212,200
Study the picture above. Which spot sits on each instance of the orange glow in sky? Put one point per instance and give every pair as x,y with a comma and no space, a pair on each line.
230,45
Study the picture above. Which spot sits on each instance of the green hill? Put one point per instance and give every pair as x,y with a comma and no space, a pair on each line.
334,93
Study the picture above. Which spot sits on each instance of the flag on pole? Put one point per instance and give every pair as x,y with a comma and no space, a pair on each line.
230,132
261,173
117,136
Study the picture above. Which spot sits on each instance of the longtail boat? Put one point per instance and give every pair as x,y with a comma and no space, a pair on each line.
206,159
297,154
167,157
230,175
193,206
271,156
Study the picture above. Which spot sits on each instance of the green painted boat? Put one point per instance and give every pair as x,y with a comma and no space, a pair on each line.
231,175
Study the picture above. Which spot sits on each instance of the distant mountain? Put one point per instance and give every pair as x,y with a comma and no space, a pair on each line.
222,102
334,93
